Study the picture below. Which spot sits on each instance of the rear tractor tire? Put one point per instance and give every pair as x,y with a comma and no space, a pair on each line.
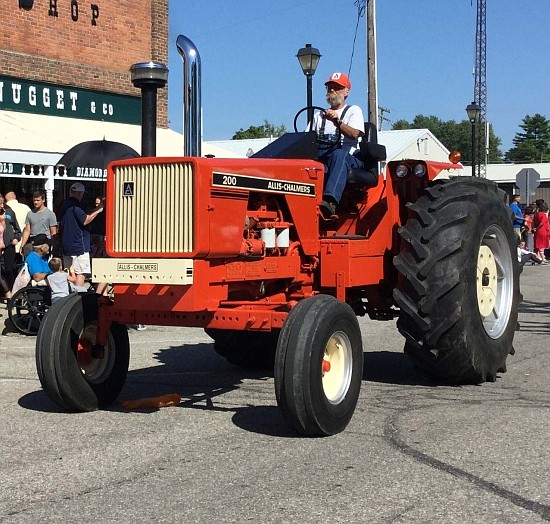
458,285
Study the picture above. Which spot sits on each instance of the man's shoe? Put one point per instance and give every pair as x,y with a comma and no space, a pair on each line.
328,209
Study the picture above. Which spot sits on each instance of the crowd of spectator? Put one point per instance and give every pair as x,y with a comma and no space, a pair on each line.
56,252
533,230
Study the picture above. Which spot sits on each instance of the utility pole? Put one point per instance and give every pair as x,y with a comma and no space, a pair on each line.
371,63
381,118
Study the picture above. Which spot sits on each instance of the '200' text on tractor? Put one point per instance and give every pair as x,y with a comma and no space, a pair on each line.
238,247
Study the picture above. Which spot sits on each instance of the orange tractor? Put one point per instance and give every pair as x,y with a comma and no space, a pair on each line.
238,247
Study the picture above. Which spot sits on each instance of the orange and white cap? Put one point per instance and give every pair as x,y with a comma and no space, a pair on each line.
339,78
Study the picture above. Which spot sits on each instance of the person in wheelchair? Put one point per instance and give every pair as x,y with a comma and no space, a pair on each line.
29,304
37,260
346,123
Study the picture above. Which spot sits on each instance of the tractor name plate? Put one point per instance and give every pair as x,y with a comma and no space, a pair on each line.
142,271
268,185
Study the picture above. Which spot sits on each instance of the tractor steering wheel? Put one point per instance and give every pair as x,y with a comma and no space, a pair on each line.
326,142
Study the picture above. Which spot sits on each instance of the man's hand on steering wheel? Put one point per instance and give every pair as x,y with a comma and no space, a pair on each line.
330,142
332,115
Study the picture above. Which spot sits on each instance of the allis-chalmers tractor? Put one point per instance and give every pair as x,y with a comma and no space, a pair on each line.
238,247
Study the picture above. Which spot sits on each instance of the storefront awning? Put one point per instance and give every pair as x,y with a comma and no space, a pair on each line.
27,138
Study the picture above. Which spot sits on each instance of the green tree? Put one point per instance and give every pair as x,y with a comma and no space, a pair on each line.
266,130
455,136
533,145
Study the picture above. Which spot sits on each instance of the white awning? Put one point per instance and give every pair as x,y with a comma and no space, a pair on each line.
27,138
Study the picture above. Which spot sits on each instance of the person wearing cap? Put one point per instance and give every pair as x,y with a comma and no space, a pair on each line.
75,237
39,221
341,159
37,260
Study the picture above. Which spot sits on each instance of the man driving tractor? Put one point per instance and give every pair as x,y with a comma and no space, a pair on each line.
345,123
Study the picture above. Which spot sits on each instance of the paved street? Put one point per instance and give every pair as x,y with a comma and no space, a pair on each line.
413,452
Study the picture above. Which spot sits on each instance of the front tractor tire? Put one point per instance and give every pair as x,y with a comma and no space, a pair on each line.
458,285
319,366
76,375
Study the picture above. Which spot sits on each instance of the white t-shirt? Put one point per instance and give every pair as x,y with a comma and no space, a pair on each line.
353,118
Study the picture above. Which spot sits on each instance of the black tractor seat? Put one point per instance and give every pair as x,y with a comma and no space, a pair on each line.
370,152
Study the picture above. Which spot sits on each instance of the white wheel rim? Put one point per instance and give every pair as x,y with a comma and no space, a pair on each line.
336,367
494,281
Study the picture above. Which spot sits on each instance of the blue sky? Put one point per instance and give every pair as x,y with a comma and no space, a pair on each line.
425,59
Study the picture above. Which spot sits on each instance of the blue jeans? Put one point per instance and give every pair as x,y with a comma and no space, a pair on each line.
338,164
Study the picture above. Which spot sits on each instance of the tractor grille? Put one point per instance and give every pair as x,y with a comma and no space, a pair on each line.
153,208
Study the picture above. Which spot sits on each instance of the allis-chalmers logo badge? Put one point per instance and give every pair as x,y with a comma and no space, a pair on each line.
53,10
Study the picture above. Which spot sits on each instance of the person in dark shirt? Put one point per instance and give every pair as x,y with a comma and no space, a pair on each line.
97,230
75,235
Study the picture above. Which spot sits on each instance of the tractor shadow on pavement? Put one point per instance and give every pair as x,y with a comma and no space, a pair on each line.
388,367
208,382
534,317
205,381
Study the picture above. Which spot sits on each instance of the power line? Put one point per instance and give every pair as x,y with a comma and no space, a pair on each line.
361,6
382,118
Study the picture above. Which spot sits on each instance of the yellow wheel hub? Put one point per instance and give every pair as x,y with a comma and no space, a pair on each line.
336,367
486,281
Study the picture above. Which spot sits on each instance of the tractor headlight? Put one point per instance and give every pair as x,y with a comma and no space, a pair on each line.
402,170
419,170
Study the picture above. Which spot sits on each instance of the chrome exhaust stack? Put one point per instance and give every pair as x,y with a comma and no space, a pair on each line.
192,132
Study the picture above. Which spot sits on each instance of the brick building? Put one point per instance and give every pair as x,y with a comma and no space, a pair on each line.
64,79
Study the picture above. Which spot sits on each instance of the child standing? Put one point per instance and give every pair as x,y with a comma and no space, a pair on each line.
60,282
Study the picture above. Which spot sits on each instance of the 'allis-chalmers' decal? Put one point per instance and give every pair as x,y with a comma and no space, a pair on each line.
262,184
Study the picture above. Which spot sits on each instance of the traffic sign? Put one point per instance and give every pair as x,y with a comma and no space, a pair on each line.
527,180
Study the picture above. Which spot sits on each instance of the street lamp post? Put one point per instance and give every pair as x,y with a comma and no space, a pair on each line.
473,111
309,58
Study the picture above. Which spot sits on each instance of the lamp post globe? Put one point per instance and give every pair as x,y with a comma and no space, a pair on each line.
473,111
309,59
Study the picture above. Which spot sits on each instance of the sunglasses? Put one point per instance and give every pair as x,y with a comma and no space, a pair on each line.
335,87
